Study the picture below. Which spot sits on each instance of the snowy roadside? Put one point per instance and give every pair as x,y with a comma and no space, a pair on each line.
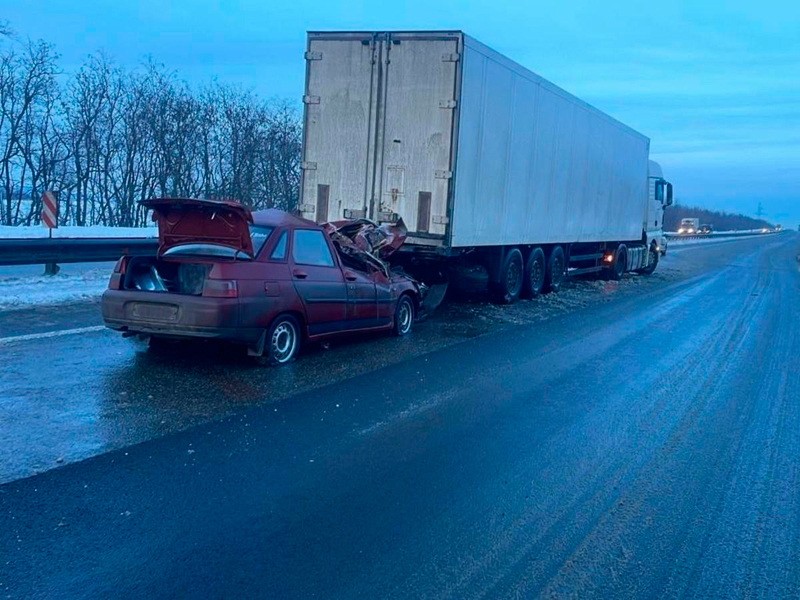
71,231
21,288
25,286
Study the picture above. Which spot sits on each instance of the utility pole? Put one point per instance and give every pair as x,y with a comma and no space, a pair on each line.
760,211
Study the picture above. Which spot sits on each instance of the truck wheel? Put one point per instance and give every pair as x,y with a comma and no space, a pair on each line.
617,270
554,276
508,289
535,269
652,261
403,316
282,341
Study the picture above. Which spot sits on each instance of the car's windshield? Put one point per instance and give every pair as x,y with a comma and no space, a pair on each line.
259,234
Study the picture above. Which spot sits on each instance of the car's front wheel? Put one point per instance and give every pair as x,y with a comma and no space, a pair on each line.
403,316
282,341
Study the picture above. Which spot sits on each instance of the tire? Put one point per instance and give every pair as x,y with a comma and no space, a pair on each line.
617,270
508,289
282,342
404,315
535,270
652,261
554,277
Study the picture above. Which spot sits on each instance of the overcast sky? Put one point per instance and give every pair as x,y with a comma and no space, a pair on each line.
715,84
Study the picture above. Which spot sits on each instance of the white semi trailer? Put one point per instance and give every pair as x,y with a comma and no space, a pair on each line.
481,158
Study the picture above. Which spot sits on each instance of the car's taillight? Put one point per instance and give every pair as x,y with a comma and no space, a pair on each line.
115,281
220,288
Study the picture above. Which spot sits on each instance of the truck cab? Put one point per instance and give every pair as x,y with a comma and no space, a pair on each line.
660,197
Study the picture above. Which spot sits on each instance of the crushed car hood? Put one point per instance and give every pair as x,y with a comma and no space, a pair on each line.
367,242
191,220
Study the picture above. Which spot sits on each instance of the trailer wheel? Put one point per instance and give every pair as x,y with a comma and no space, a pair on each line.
508,289
555,270
617,270
535,270
652,261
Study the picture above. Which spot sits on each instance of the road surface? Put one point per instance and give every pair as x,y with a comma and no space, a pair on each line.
641,443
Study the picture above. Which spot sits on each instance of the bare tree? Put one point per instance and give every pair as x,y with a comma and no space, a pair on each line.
26,78
107,137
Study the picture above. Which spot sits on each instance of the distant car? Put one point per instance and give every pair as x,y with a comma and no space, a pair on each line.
265,279
705,230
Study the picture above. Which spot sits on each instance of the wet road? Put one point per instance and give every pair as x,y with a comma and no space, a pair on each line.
640,441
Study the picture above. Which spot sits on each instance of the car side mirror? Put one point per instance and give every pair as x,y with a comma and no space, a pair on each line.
669,194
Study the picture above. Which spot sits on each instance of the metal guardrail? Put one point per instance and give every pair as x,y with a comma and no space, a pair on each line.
36,251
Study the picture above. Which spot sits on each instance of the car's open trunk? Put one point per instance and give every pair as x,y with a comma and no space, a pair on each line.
150,274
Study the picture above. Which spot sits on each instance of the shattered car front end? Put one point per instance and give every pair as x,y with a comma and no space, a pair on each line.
366,245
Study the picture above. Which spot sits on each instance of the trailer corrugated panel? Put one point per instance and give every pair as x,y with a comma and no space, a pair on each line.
537,165
378,127
465,145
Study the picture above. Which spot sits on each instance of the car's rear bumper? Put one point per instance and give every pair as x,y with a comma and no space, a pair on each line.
175,315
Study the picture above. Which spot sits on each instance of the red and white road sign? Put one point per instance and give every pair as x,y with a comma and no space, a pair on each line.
49,210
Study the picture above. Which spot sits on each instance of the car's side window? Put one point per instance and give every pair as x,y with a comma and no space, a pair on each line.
279,251
310,248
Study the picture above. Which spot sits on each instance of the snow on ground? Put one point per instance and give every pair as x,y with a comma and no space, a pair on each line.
73,231
26,286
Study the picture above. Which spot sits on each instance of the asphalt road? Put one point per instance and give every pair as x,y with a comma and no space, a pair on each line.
641,443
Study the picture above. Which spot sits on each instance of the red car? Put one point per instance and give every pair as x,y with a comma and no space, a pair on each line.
265,279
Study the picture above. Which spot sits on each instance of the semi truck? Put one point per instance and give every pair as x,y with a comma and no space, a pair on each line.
481,159
689,226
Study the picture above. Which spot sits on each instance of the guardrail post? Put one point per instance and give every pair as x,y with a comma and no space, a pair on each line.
51,269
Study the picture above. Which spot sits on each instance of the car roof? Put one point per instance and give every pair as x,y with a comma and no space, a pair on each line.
275,218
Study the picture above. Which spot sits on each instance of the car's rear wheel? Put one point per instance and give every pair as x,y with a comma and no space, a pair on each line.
403,316
282,341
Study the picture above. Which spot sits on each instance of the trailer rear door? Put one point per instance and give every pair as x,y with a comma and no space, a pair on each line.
420,102
337,127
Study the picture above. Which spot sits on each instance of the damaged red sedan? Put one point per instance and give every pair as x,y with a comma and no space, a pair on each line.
266,279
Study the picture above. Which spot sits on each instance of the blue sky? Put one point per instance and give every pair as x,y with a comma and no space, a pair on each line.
714,84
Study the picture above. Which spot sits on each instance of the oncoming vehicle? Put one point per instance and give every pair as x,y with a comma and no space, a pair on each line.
689,226
267,279
705,230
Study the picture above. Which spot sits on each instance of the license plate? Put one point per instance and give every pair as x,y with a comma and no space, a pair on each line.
153,312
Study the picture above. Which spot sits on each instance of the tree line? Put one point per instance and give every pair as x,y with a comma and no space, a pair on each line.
720,221
105,137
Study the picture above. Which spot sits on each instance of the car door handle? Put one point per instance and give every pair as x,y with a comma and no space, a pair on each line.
299,274
349,276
